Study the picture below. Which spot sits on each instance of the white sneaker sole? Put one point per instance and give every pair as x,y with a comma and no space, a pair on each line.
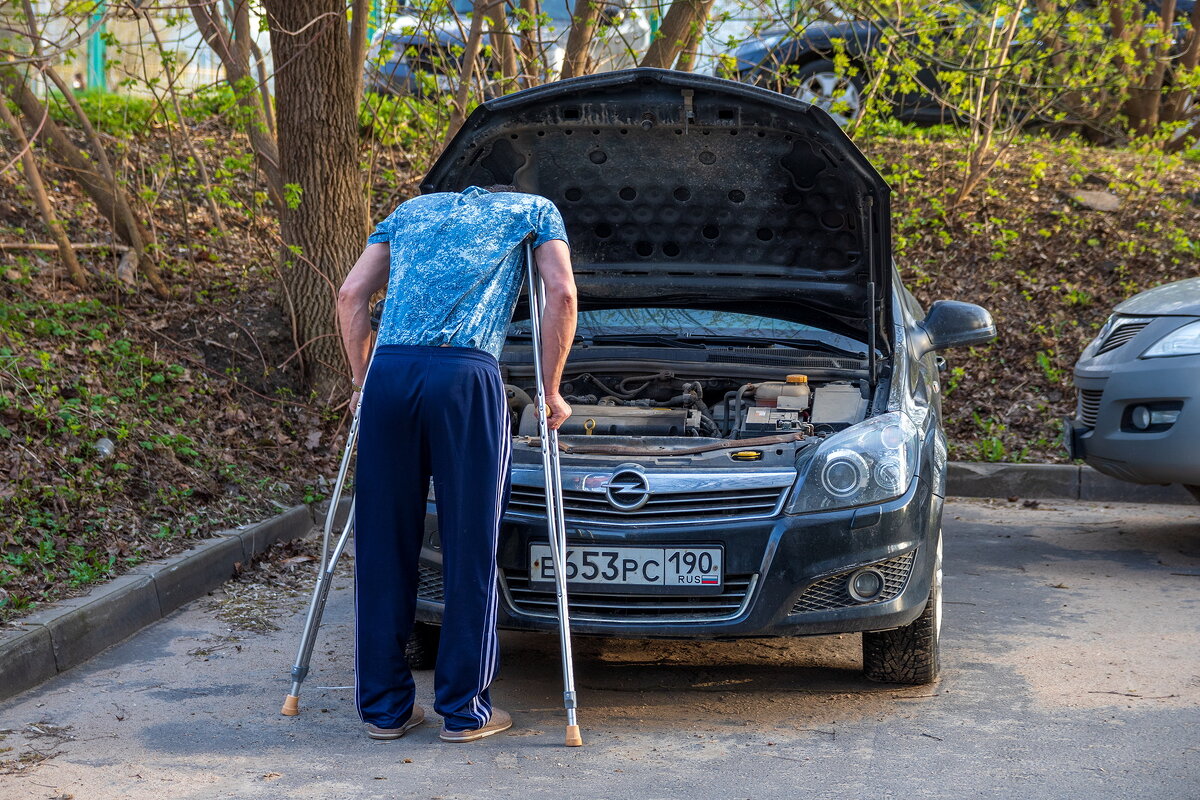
458,737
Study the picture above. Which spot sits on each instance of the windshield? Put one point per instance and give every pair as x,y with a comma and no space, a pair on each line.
691,323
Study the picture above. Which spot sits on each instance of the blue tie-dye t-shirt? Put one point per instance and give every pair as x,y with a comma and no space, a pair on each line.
457,265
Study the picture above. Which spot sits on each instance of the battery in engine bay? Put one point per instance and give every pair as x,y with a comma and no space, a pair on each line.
764,421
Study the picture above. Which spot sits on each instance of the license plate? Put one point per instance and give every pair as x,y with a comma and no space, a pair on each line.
674,570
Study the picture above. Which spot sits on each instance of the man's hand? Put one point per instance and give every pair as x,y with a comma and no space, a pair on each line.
559,411
355,398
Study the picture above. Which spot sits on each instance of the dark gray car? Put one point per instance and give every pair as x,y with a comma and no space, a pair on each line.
1138,383
756,447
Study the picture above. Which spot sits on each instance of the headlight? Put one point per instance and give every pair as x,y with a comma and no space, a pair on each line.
1183,341
871,462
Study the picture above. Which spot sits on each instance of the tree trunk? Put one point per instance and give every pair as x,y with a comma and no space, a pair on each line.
682,22
1174,105
316,113
579,39
34,177
234,47
360,14
458,115
502,43
693,42
531,46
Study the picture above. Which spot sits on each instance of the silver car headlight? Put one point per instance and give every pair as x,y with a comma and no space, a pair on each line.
871,462
1184,341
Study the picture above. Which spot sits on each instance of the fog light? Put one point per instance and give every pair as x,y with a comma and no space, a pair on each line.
865,585
1164,417
1140,417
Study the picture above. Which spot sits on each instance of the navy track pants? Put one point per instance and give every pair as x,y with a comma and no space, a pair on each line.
440,412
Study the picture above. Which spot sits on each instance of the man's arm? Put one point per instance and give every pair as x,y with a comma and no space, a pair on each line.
368,276
558,322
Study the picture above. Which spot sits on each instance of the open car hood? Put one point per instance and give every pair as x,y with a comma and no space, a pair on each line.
687,190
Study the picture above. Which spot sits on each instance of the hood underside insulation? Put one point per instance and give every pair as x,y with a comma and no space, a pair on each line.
680,189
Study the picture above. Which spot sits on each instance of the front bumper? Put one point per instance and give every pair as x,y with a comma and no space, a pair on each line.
783,576
1101,433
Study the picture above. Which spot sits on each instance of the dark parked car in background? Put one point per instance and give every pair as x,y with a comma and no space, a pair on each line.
756,447
419,52
800,61
1138,411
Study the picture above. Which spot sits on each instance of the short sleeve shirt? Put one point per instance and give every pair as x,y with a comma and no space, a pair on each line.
457,264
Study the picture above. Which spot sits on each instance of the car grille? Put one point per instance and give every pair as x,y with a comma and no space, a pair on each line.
1121,334
429,584
829,593
662,508
1089,406
536,601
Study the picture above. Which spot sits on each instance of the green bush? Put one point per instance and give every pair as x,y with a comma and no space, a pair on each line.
119,115
407,122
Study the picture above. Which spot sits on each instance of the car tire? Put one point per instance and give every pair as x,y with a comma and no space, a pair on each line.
1195,490
820,84
422,648
910,654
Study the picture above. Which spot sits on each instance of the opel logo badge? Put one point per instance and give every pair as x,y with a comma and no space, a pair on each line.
627,490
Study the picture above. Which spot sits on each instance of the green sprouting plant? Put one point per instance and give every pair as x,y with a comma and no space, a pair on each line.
953,378
1054,374
990,445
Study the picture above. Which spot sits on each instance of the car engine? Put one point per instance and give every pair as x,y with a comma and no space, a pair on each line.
667,404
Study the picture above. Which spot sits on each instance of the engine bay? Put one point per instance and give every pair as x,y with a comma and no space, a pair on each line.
669,404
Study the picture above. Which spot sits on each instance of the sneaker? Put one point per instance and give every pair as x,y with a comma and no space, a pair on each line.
415,719
500,721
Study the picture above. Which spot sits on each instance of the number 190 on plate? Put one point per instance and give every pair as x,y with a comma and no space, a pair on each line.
673,569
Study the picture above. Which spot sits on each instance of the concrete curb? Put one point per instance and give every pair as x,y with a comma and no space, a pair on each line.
1053,482
71,631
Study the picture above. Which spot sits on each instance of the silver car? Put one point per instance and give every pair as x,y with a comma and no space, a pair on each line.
1139,385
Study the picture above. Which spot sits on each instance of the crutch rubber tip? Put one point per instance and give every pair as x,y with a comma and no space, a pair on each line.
291,706
573,737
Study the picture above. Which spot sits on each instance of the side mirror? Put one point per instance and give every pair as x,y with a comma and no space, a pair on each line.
951,323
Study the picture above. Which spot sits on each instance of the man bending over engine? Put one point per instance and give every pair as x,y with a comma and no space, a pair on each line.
433,405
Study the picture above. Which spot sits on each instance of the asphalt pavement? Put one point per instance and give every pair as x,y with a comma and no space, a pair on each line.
1071,653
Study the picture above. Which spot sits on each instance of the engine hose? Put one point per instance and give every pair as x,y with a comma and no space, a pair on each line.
646,381
608,390
708,427
725,405
737,415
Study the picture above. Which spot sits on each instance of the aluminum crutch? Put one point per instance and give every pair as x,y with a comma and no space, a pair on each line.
329,560
554,503
316,607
